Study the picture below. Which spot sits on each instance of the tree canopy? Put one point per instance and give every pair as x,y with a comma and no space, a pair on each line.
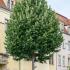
33,30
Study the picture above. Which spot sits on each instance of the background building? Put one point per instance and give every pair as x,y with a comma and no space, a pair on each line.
4,14
61,59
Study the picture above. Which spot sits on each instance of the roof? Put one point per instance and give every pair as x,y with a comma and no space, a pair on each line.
2,5
63,19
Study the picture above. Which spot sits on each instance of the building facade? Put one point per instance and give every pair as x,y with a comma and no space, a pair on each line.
61,59
9,3
4,14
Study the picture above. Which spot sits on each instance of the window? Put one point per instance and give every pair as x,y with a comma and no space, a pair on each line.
8,3
68,61
69,45
12,3
6,20
63,44
59,60
51,60
69,29
63,61
61,27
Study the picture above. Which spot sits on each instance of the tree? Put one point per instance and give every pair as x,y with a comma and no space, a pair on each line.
33,31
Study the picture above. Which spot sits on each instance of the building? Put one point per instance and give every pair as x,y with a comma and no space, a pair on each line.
59,61
9,3
4,14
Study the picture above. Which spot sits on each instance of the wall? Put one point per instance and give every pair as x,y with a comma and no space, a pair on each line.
62,52
3,16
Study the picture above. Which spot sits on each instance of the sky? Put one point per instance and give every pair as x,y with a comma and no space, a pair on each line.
60,6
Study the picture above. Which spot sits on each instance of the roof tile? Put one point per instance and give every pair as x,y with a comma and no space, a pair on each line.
63,19
2,4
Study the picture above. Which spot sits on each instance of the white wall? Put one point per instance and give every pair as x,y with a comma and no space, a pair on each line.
63,52
4,14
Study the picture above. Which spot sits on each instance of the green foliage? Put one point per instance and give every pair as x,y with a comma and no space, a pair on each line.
33,30
68,68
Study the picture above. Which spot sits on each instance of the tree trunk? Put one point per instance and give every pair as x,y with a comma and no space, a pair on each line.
33,62
19,65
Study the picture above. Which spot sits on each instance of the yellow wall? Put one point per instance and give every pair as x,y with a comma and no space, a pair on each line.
51,67
2,38
14,65
0,67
